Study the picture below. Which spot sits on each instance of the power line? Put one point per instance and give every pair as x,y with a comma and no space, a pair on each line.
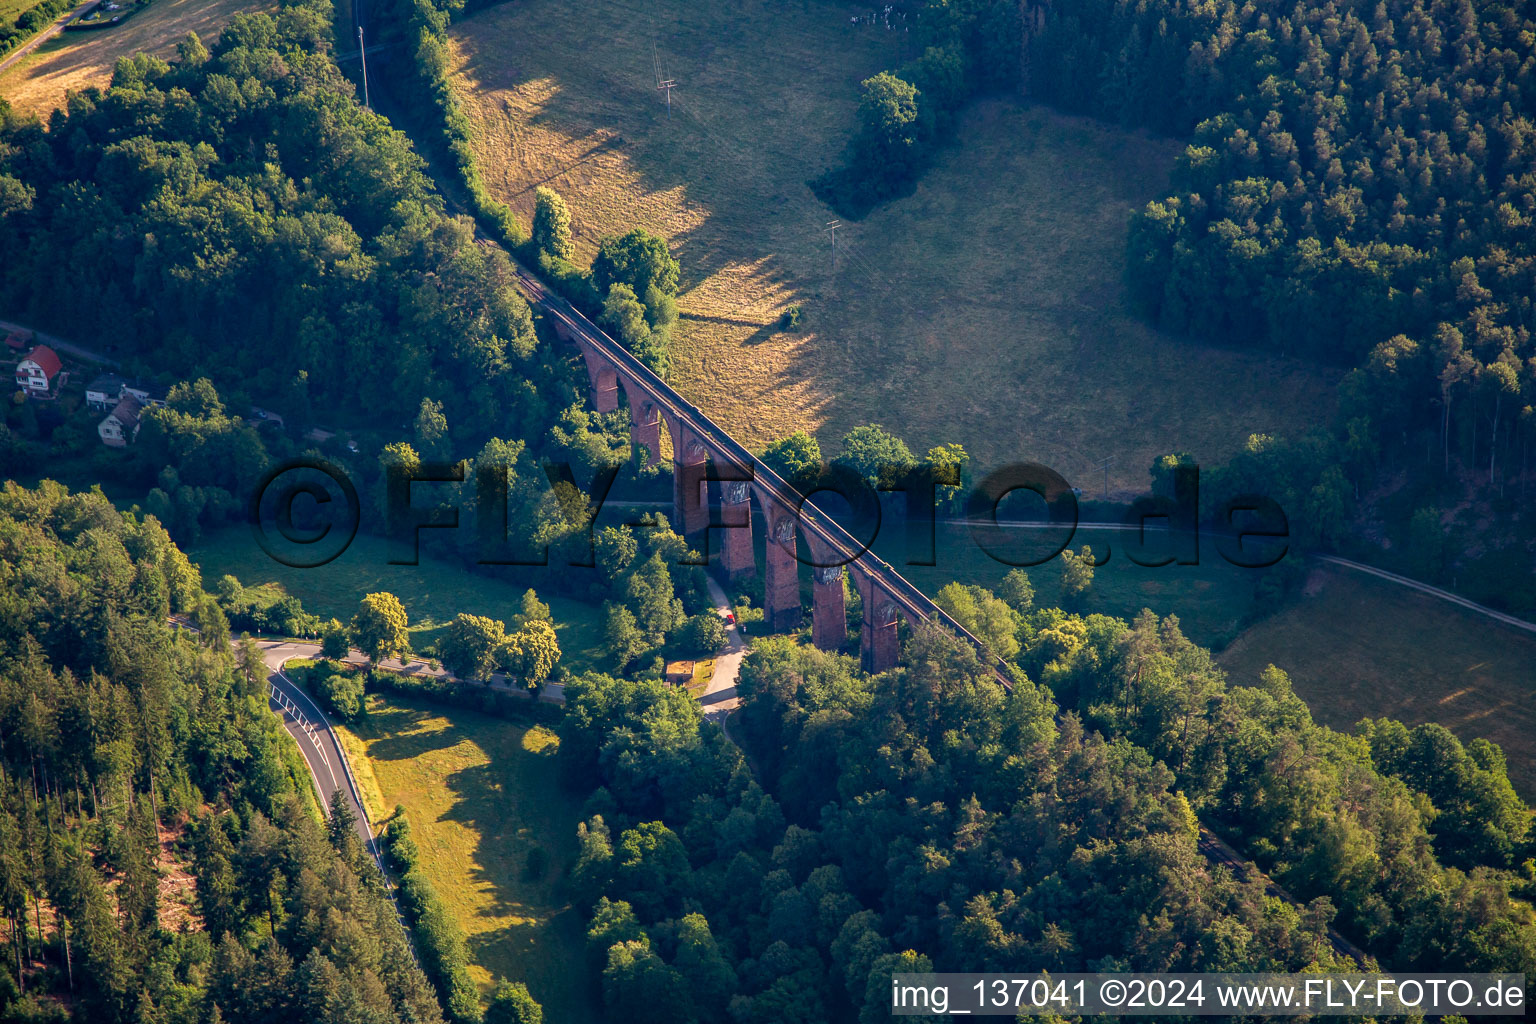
665,85
363,54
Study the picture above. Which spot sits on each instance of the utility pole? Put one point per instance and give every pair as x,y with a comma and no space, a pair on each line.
1104,464
665,85
363,54
832,226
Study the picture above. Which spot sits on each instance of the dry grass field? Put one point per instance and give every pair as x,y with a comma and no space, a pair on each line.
985,308
39,81
1357,647
480,793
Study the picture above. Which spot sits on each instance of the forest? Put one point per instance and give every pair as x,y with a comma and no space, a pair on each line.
243,218
929,819
253,232
131,750
849,825
1358,188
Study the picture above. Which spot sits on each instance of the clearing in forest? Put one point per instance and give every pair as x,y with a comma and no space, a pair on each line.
986,308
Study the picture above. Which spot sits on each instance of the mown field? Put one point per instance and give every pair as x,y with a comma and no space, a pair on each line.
986,308
1358,647
39,81
480,793
432,592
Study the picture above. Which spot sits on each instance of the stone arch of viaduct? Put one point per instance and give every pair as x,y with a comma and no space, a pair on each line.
705,461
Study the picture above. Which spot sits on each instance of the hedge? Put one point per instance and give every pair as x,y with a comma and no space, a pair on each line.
439,939
470,696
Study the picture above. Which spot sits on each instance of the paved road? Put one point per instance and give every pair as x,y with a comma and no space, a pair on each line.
46,33
311,730
57,343
1425,588
719,698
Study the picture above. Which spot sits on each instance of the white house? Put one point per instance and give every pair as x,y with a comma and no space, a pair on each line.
121,424
103,392
37,371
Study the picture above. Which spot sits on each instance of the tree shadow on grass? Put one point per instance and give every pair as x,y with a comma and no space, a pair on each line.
521,929
485,804
396,732
511,803
548,958
609,102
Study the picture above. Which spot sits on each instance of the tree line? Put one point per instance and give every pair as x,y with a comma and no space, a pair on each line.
631,286
30,22
1358,188
1421,843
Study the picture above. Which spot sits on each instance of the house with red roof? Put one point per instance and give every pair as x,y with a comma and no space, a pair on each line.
37,370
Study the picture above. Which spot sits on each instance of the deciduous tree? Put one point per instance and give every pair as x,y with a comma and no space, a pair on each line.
380,628
552,223
473,646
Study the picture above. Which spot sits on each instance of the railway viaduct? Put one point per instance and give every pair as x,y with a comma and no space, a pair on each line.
709,464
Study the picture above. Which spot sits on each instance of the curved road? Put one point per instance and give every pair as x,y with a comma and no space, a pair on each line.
1425,588
312,731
